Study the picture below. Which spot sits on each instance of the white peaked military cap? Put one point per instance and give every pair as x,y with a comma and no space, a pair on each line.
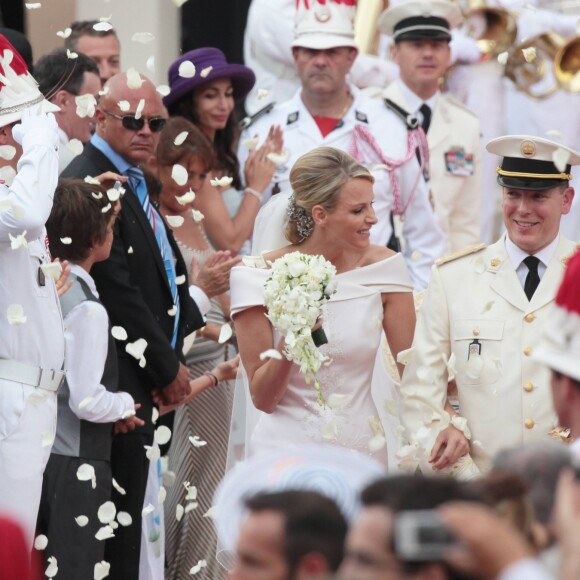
322,25
420,19
532,162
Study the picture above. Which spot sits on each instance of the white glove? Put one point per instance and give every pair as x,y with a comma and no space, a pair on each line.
34,122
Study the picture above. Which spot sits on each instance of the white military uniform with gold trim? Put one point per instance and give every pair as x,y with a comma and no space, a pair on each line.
424,241
455,166
476,313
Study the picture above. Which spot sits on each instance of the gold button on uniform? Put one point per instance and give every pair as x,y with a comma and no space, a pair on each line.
529,423
528,350
528,387
476,331
530,317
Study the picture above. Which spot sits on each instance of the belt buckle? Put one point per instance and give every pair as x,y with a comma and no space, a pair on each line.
47,380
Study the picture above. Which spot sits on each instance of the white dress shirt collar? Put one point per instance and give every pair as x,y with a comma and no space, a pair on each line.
517,257
414,101
80,272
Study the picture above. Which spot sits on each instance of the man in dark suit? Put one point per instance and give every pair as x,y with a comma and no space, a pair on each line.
143,286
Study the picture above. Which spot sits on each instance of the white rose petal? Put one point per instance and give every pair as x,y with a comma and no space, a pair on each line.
224,181
139,109
75,146
196,215
529,53
152,452
197,442
124,519
136,349
179,511
205,71
86,105
271,353
554,133
113,194
142,37
119,489
142,362
279,159
502,57
148,509
162,435
130,250
92,180
33,5
179,140
134,80
119,333
251,143
150,64
124,106
191,506
175,221
191,491
7,152
210,513
64,33
86,472
561,158
103,26
168,478
105,533
40,542
180,279
200,564
179,174
154,415
186,69
53,270
186,198
225,333
263,93
19,241
52,567
47,439
107,512
15,314
106,208
172,311
82,521
102,570
161,495
163,90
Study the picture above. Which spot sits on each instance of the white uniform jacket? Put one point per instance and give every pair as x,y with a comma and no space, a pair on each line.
455,168
476,314
423,238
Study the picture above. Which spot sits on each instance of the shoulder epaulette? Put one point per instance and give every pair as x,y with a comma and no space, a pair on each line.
459,254
251,119
410,120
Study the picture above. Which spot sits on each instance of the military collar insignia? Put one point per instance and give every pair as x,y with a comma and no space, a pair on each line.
360,116
292,117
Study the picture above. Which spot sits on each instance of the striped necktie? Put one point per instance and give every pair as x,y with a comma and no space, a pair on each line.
138,185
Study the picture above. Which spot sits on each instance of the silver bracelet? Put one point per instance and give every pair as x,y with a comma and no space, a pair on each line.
255,193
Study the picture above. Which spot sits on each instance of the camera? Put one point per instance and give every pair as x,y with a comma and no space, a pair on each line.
420,536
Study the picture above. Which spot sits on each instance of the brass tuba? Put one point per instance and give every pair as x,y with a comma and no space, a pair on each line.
555,65
366,34
495,29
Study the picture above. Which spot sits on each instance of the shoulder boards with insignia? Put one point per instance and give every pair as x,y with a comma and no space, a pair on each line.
459,254
410,120
251,119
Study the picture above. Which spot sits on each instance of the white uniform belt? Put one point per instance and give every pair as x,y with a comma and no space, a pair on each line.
18,372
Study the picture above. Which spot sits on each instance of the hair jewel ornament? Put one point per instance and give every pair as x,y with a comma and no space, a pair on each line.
304,221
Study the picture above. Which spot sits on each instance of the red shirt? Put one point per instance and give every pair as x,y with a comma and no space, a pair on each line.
326,124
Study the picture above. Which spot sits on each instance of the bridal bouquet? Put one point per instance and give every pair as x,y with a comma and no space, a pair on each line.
299,284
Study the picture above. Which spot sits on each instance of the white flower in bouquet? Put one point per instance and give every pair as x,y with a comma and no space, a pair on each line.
298,286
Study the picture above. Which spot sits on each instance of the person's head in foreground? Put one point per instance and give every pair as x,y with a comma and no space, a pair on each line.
534,174
289,535
332,198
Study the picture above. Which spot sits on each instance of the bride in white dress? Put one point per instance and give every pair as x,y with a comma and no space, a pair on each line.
331,215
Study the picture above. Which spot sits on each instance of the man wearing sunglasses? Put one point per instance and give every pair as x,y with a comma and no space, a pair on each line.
142,286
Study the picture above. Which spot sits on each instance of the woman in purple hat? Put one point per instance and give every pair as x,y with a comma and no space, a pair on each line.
204,88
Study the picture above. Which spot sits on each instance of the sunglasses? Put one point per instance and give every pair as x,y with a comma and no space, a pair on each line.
131,123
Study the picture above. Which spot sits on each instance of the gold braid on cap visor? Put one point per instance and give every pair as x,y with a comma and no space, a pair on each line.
563,176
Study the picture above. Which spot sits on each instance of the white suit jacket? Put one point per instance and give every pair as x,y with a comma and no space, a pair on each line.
457,192
422,234
475,303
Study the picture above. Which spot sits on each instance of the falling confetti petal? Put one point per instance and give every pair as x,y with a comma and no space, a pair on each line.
222,181
92,180
130,250
561,158
163,90
82,521
143,37
52,567
191,506
172,311
181,138
154,415
70,54
124,106
162,435
279,159
191,491
152,452
134,80
53,270
196,215
201,564
186,198
502,57
124,519
197,442
554,133
175,221
150,64
15,314
18,241
75,146
118,488
103,26
64,33
102,570
251,143
86,105
186,69
40,542
86,472
105,533
113,194
106,208
205,71
137,348
7,152
225,333
33,5
147,510
210,513
271,353
263,93
161,495
179,511
180,279
107,512
119,333
179,174
140,108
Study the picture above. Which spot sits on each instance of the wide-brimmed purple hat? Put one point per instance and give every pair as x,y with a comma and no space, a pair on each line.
242,77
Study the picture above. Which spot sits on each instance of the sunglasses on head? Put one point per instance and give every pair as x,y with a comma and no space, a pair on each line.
131,122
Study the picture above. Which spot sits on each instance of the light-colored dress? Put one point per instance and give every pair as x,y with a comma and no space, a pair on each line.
207,415
353,322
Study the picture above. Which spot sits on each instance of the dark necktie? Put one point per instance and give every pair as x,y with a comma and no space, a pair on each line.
533,278
426,112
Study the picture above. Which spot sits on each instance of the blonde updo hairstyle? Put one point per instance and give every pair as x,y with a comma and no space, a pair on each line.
316,179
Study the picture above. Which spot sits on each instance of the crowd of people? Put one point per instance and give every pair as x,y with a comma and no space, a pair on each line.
223,341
